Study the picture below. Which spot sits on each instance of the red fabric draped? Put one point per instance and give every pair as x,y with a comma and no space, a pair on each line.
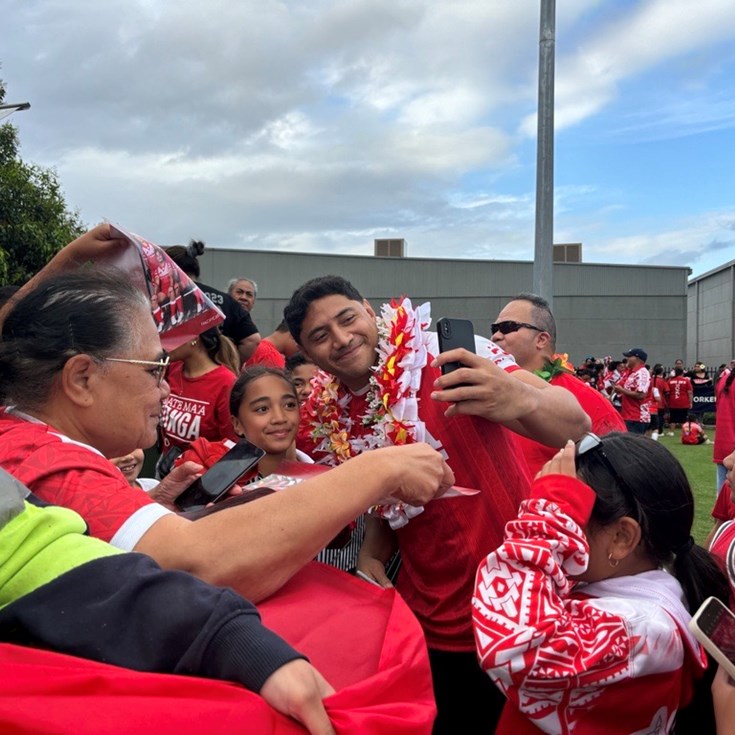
363,639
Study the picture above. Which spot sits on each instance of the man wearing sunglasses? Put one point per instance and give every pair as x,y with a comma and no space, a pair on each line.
526,329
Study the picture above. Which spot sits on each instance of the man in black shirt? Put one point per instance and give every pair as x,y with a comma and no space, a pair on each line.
238,324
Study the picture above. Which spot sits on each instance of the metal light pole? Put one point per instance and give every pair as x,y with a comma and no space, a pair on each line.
543,260
9,109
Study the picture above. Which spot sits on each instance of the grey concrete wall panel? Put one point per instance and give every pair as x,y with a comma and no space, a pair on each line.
711,316
600,309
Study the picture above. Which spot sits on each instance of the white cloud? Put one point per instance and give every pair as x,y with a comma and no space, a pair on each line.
322,125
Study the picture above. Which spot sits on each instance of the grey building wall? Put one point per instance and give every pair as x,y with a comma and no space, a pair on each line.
600,309
711,316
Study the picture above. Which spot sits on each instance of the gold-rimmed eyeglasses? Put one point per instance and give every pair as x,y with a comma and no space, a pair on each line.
159,366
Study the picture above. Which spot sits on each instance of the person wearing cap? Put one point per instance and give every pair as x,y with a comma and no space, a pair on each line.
633,389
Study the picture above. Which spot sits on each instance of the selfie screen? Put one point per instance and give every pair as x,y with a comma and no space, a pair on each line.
723,634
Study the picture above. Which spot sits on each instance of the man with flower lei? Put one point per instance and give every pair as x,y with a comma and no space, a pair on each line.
382,385
526,329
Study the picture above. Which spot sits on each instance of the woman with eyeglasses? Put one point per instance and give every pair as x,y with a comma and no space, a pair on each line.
82,379
581,614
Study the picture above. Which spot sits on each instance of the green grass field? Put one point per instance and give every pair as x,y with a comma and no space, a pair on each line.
697,461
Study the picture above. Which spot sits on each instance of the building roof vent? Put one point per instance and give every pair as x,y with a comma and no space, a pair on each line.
568,253
390,248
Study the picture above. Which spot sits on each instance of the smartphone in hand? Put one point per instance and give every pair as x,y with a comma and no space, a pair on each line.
220,477
713,626
453,333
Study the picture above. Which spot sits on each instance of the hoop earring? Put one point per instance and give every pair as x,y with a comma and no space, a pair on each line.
612,562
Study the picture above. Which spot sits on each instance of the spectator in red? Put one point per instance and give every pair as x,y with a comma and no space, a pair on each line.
725,434
274,349
723,510
692,431
633,389
302,370
613,373
681,394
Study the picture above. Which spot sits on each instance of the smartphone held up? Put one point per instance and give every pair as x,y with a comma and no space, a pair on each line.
454,333
220,477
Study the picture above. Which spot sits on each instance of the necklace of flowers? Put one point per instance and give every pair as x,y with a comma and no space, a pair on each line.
559,363
392,404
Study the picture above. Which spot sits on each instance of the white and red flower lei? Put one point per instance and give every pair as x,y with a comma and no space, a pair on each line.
391,399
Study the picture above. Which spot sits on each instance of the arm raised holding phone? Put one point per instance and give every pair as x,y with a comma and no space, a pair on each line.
519,400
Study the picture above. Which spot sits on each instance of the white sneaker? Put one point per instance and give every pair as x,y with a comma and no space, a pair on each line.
671,433
654,436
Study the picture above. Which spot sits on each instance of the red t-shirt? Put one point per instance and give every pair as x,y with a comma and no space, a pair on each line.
679,389
442,547
725,417
690,432
266,354
636,409
197,407
661,385
602,414
724,508
723,547
76,476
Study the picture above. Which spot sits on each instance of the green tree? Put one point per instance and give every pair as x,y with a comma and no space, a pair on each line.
34,220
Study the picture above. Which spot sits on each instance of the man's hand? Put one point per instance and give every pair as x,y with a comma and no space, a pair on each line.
297,690
416,472
520,400
481,388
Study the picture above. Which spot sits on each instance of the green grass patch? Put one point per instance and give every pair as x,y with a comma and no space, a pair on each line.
702,474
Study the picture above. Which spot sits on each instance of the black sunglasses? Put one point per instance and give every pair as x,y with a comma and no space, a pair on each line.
592,443
510,326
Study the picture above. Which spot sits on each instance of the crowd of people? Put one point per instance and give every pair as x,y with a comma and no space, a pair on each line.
541,540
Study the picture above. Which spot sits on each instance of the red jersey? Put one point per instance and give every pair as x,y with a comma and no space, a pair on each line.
266,354
680,388
441,547
723,547
575,658
197,407
73,475
690,432
602,414
636,409
725,417
724,508
660,391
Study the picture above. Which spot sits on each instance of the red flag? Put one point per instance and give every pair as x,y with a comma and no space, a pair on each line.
363,639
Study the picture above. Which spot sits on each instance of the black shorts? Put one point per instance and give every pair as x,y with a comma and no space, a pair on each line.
678,415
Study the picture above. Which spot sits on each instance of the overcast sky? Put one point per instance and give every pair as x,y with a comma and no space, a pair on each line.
317,126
